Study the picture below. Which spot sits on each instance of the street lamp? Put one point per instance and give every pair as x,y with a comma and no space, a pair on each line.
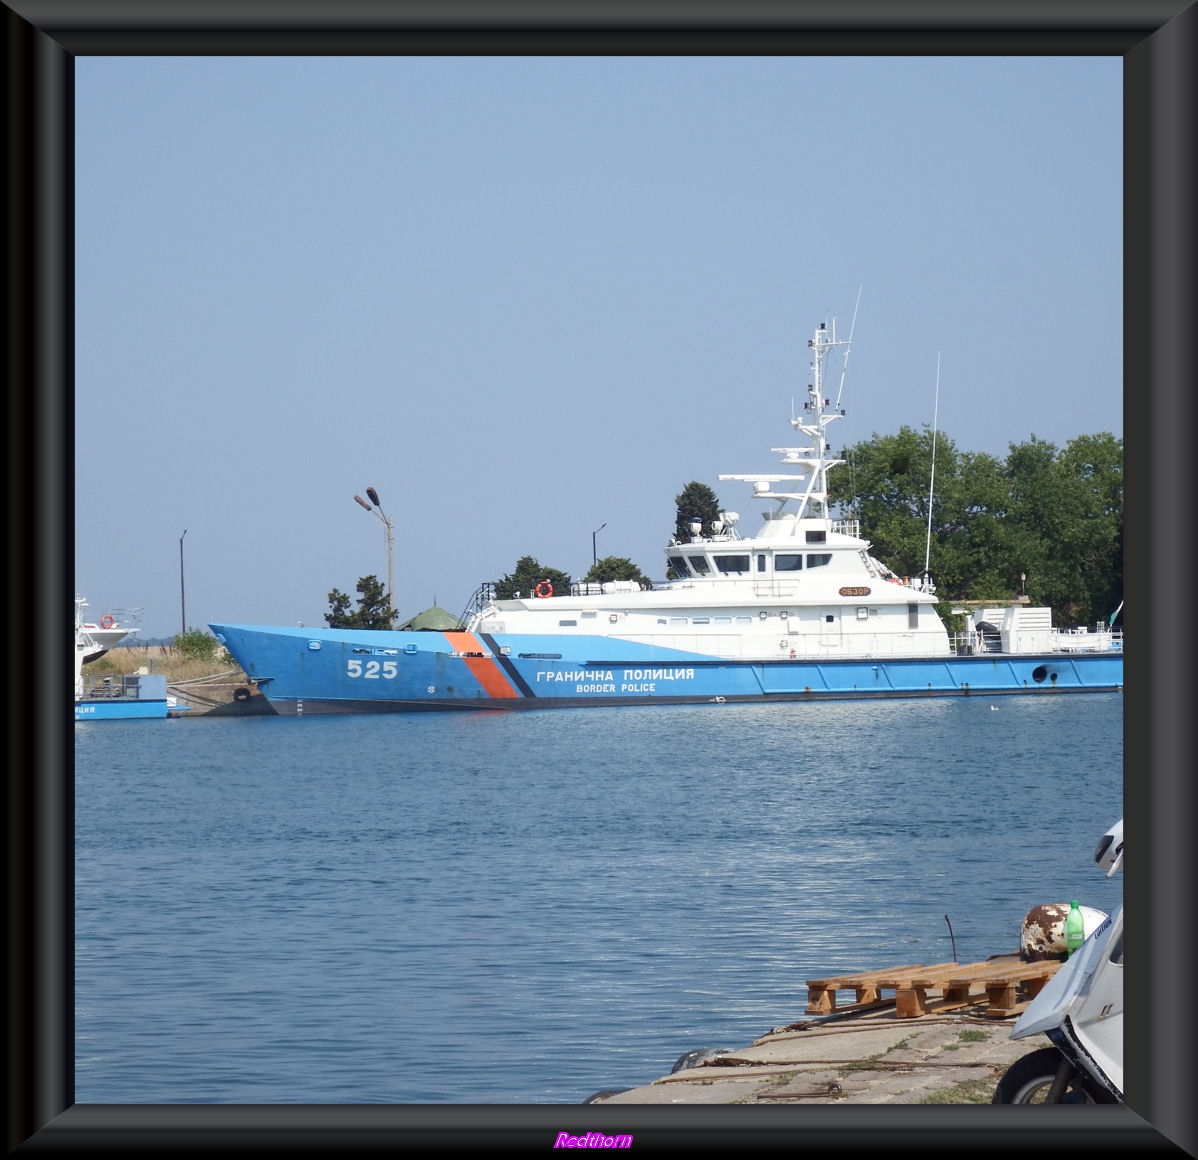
594,551
182,598
378,513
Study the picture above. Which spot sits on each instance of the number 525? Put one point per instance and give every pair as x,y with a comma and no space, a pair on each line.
372,670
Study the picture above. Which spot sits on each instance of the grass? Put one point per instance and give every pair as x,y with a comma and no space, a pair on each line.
972,1091
867,1064
783,1077
775,1081
162,659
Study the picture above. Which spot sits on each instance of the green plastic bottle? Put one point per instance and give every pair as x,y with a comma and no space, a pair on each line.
1075,928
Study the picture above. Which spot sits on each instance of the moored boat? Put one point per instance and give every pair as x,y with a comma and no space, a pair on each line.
799,611
111,697
104,633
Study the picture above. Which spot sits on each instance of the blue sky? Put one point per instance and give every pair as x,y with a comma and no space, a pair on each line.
526,297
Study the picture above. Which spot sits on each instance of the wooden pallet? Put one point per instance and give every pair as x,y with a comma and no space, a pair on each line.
1002,990
867,987
920,989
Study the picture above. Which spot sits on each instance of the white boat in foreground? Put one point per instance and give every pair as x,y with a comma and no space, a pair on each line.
801,610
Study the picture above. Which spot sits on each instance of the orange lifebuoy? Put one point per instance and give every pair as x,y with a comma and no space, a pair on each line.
543,589
106,621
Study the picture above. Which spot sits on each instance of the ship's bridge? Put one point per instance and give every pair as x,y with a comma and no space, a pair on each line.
790,547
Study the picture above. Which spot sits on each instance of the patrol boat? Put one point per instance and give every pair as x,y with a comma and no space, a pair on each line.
800,611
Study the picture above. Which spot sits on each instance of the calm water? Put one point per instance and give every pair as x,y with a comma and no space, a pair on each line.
530,907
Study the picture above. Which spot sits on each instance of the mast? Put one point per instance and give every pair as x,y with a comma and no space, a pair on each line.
818,415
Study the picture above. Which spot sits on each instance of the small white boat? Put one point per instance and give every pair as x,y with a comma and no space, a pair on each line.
105,633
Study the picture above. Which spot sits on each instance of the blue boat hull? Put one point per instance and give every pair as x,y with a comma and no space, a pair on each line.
305,671
119,710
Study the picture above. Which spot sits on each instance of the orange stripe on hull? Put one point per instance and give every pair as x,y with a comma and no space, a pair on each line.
484,669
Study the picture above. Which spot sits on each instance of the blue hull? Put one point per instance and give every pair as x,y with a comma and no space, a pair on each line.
116,710
305,671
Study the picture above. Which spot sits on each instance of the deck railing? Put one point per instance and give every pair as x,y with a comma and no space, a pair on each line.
115,686
1062,640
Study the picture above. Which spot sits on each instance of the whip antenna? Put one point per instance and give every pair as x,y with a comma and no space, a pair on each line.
927,555
849,349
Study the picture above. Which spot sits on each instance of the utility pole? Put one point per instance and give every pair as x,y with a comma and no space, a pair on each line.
594,550
182,597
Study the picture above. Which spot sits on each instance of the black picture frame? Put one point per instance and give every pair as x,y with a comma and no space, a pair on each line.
1157,40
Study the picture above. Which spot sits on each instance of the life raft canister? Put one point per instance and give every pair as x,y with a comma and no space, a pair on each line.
543,589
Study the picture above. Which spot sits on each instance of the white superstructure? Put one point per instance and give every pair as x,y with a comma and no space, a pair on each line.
805,586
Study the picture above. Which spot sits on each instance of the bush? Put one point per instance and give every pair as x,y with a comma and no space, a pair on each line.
197,644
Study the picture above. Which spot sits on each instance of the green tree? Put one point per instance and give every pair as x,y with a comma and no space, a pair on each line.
696,503
1052,517
373,609
528,573
972,530
616,568
886,483
1094,463
1039,507
1068,506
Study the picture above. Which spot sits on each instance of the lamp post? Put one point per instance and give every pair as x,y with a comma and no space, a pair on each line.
378,513
594,550
182,597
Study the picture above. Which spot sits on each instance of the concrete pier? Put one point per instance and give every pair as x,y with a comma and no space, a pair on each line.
858,1057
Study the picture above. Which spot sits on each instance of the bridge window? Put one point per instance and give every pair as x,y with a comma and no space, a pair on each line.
787,562
700,565
818,559
728,564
